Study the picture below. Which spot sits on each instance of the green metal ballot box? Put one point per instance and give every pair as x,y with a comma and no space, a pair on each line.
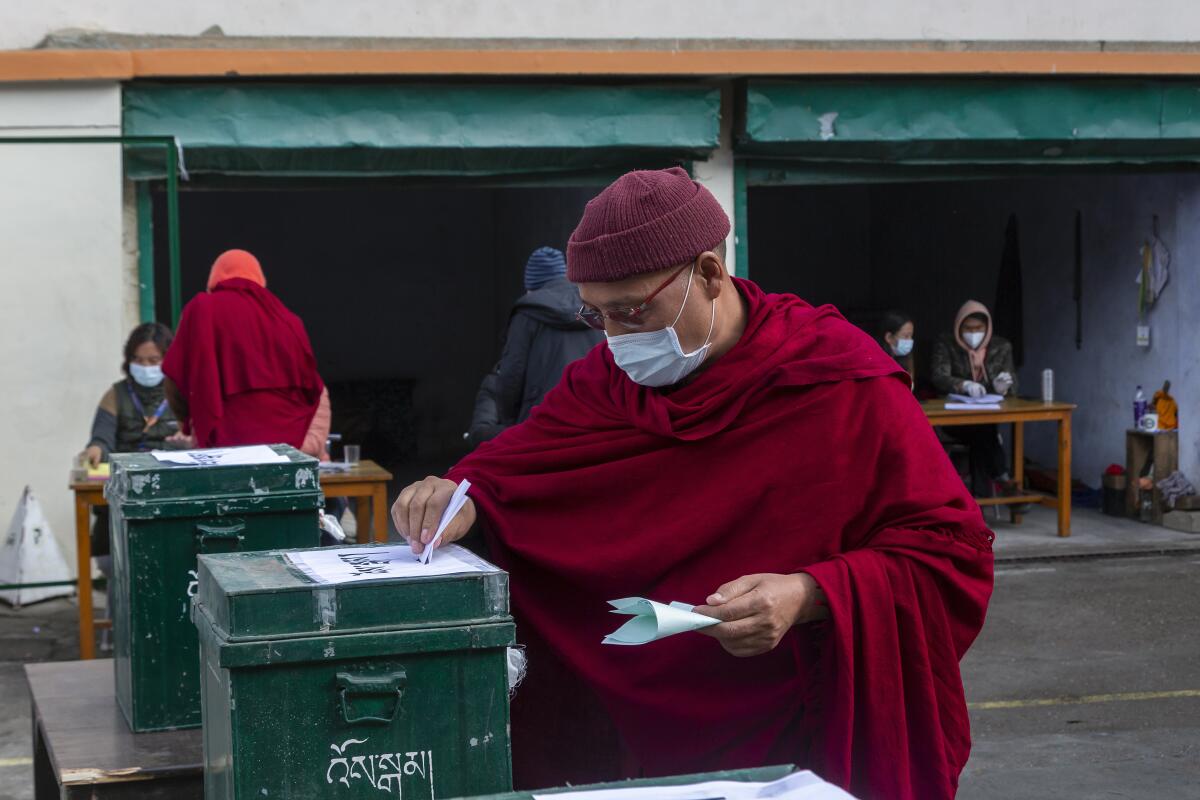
164,515
352,673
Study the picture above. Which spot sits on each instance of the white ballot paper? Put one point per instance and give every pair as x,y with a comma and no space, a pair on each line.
351,564
457,501
972,406
797,786
652,621
223,457
982,400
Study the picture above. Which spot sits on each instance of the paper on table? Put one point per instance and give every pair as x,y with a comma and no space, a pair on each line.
652,621
983,399
972,406
797,786
457,501
223,457
351,564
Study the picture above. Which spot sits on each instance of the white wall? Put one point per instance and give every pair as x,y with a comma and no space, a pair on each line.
1017,20
64,308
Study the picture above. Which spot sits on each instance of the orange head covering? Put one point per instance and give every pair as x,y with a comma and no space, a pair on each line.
236,264
979,354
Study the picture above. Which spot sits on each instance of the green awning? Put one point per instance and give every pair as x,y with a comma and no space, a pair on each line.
344,130
978,122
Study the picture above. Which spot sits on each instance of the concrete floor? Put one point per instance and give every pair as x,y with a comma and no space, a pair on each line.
1084,682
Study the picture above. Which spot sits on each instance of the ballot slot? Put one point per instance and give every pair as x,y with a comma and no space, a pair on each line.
320,683
164,514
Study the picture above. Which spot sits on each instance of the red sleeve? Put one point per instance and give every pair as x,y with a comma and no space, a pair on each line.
191,364
904,605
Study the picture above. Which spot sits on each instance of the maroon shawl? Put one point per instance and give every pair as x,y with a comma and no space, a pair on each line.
801,449
244,365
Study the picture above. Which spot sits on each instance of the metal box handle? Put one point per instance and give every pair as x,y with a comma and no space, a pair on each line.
371,686
208,534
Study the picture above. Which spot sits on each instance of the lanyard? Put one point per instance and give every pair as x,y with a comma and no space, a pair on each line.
151,420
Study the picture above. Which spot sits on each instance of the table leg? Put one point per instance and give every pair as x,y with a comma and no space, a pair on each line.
45,782
83,556
379,509
362,519
1064,475
1018,435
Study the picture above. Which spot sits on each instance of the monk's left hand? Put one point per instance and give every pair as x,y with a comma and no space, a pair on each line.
758,610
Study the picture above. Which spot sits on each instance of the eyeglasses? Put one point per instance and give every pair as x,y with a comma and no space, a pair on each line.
629,317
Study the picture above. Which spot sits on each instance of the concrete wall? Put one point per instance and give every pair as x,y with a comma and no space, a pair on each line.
927,247
64,310
952,20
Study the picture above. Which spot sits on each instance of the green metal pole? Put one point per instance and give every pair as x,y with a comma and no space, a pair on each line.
173,232
145,238
741,221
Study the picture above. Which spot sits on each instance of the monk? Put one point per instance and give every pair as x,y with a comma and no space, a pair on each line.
756,456
241,369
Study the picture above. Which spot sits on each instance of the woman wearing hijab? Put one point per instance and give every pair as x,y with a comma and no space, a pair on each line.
241,370
974,362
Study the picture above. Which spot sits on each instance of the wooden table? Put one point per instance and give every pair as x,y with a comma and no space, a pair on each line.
366,481
83,748
1018,412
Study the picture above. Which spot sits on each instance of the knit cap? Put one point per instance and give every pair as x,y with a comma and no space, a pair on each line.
645,221
544,265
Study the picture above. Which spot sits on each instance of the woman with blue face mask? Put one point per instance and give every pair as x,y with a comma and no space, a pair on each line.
896,335
133,416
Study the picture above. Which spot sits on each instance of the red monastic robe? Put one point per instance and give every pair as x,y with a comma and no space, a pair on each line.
801,449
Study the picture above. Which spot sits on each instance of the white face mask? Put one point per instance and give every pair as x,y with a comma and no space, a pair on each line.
902,347
655,358
973,339
146,376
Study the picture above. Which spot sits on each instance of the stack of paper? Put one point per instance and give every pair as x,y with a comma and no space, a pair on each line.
797,786
963,402
983,399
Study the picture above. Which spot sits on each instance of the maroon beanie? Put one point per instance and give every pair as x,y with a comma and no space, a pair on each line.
645,221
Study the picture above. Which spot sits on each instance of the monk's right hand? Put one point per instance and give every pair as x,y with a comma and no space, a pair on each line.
419,508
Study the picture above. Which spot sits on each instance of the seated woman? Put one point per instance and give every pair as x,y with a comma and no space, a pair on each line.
896,335
972,361
241,370
133,416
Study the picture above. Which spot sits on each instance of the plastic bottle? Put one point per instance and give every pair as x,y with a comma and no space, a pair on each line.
1139,406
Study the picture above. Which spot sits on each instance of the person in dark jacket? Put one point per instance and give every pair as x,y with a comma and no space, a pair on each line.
972,361
544,335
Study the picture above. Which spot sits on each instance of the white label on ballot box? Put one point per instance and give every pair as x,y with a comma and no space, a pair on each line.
223,457
351,564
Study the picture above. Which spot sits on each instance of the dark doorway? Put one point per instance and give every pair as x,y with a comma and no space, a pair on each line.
405,292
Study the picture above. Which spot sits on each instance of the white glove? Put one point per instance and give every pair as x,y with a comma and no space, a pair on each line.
1002,383
973,389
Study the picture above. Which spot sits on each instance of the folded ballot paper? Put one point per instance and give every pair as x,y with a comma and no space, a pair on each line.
797,786
653,621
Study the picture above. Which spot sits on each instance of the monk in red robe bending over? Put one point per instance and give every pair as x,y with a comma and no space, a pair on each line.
749,453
